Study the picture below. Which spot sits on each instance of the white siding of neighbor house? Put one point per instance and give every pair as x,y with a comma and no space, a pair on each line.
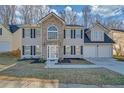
97,34
103,50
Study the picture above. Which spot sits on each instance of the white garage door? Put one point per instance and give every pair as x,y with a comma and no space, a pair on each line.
104,51
90,51
5,46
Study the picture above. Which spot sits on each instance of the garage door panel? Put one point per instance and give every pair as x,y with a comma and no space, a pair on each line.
104,51
5,46
90,51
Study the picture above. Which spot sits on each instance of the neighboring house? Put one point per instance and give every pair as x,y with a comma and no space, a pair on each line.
9,38
118,36
52,39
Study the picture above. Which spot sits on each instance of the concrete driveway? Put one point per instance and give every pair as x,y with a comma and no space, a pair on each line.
108,63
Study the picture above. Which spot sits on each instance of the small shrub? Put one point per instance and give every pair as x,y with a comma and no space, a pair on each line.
14,53
41,60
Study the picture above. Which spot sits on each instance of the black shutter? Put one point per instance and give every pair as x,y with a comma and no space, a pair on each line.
64,50
34,33
34,50
23,50
71,50
81,34
81,50
74,33
74,50
31,50
31,33
71,33
0,31
23,33
64,34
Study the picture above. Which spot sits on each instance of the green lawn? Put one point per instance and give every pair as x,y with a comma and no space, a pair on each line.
96,76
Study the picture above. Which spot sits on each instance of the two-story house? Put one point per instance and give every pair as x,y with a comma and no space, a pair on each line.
52,39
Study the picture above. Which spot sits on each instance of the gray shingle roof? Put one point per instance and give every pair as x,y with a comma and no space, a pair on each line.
107,39
13,28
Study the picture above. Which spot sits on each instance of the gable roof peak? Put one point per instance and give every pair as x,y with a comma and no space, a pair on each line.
48,15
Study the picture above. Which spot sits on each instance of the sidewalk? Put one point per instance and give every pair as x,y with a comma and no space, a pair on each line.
7,67
71,66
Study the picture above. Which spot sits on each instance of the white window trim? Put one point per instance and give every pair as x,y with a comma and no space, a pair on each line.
52,31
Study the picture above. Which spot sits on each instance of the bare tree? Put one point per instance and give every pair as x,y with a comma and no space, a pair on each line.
7,14
118,49
86,11
70,16
33,13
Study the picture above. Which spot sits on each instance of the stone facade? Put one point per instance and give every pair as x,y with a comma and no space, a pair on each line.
44,25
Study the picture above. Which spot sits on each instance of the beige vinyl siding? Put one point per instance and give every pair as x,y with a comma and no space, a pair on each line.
6,36
97,34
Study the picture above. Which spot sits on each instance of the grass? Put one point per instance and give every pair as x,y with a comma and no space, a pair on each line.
96,76
7,60
119,58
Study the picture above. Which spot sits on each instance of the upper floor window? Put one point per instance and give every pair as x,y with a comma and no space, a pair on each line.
78,33
98,36
31,33
27,32
73,33
37,32
68,33
52,32
0,31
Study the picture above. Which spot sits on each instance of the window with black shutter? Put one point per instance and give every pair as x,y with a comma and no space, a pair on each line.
64,50
23,50
71,50
23,33
74,34
81,34
31,33
0,31
31,50
64,34
71,33
34,50
34,33
81,50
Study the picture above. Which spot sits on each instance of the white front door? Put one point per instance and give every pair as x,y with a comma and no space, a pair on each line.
52,51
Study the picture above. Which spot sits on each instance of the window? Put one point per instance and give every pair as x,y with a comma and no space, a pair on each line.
38,51
37,32
27,50
27,32
98,36
78,50
78,33
68,33
68,50
52,32
0,31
